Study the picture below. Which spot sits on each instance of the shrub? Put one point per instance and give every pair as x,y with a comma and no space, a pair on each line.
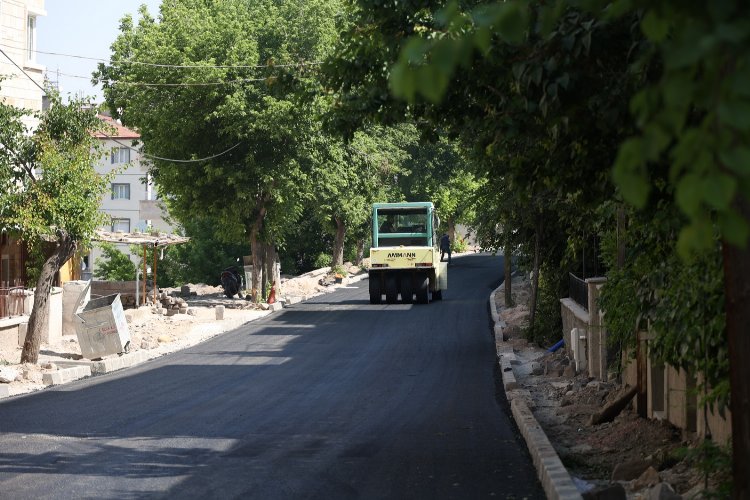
116,266
323,260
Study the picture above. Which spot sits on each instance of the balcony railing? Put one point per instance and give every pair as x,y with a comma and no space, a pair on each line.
578,291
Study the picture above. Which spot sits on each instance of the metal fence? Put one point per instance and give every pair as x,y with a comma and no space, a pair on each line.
578,290
12,302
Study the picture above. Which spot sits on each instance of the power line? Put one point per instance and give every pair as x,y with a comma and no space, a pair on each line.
120,143
179,66
22,71
177,84
154,157
167,84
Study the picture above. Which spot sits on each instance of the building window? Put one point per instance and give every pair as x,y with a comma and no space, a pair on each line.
120,191
119,155
31,39
121,225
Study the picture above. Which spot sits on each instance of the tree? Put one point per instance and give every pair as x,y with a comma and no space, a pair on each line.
115,266
254,126
687,89
536,118
51,193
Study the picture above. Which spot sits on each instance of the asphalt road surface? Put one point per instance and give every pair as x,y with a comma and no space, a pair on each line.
331,398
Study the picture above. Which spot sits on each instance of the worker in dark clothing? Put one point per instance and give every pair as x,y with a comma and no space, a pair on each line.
445,247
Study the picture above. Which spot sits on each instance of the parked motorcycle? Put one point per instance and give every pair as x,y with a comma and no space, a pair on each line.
231,281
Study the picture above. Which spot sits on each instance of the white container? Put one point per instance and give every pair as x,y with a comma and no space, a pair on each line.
75,293
103,329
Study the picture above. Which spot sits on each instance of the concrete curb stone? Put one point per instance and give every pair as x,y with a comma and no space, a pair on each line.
553,475
110,364
4,391
64,375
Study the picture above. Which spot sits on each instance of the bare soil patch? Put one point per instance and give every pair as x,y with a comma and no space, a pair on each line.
563,404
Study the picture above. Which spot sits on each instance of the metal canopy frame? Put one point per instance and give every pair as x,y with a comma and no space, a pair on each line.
153,240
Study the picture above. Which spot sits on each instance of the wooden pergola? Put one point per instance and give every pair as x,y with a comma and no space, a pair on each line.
153,240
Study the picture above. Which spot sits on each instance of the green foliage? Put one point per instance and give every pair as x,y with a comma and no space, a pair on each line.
547,326
715,464
203,258
115,266
269,116
459,245
50,192
655,290
66,197
304,243
664,104
322,260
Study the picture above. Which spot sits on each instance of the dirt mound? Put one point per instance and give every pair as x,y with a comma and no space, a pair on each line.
563,404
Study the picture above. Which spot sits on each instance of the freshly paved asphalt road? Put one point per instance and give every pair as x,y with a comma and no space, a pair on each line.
331,398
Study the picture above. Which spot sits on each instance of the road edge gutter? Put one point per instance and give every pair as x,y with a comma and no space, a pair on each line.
550,470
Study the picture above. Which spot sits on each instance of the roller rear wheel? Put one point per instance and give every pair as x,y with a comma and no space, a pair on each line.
407,290
375,291
391,288
423,289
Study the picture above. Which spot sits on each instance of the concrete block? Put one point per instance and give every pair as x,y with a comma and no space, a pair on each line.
4,391
277,306
219,310
8,374
66,375
23,329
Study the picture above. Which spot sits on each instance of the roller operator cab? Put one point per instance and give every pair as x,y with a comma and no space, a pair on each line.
404,258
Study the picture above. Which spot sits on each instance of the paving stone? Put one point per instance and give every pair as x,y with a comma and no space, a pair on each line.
66,375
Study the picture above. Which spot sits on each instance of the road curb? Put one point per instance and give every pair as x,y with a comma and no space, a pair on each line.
109,365
550,470
64,375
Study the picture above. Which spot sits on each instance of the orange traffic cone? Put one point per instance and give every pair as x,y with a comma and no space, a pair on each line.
272,294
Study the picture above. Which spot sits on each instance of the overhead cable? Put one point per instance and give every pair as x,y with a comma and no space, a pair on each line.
180,66
154,157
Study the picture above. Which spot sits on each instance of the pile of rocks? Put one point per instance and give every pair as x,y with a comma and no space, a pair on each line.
169,305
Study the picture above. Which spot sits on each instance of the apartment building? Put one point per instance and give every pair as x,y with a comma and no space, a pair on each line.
132,202
18,21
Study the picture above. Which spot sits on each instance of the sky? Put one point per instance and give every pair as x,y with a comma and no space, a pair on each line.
84,28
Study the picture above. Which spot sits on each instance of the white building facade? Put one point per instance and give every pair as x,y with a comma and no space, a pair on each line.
18,21
132,202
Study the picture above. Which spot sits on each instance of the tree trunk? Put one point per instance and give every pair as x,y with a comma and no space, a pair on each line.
338,242
360,252
535,280
451,229
737,296
507,258
269,259
256,248
39,319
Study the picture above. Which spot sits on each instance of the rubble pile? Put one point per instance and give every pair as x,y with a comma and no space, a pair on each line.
171,305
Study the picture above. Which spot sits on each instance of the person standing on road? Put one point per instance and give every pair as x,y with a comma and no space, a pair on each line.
445,247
